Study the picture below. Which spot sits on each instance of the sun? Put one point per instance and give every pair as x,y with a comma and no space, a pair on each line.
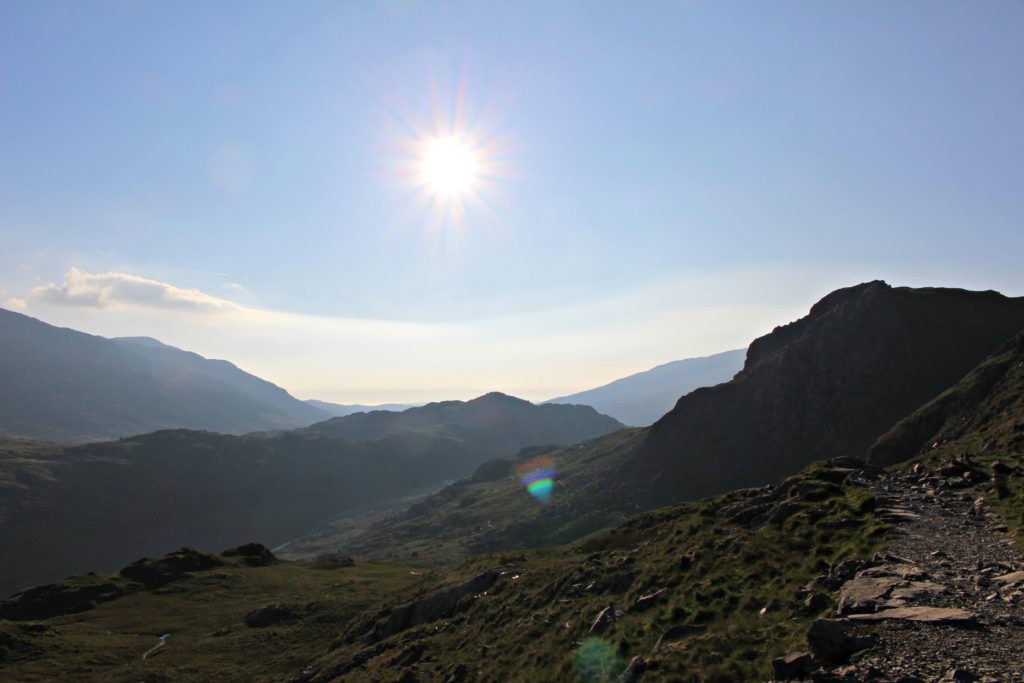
448,166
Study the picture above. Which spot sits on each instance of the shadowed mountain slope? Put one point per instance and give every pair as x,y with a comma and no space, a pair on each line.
67,386
642,398
826,386
103,504
982,413
501,423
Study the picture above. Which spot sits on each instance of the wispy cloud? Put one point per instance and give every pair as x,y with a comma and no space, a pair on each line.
116,290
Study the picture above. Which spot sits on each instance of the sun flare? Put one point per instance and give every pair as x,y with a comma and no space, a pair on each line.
448,166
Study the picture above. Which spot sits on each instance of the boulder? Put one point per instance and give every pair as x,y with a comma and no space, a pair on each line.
863,594
834,640
796,666
817,603
1011,579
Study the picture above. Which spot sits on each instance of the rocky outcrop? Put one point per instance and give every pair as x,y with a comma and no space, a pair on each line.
436,605
828,385
170,567
65,597
252,554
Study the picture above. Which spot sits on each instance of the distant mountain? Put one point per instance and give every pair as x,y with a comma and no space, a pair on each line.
640,399
827,385
502,424
101,505
66,386
343,409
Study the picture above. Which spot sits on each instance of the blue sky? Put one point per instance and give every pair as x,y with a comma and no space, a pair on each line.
663,179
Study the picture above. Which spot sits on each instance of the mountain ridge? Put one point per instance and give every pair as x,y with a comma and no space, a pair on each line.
104,503
643,397
64,385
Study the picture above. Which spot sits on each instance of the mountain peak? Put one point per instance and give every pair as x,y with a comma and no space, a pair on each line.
497,396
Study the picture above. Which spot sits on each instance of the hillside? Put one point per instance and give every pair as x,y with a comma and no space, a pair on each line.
825,386
502,424
642,398
102,504
66,386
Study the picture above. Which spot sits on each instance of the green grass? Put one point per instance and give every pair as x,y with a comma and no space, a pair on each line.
719,574
530,628
204,614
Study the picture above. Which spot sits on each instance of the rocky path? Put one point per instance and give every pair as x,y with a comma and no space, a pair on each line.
944,602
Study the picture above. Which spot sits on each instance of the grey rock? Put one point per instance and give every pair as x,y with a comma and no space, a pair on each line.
796,666
926,615
834,640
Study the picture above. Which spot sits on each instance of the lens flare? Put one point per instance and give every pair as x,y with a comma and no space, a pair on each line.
538,476
598,662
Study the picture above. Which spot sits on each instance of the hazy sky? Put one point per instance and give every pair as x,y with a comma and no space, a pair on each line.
657,180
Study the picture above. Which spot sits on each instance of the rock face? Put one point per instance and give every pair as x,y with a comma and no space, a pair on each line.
826,385
796,666
961,407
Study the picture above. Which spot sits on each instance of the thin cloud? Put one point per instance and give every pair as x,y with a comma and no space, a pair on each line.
116,290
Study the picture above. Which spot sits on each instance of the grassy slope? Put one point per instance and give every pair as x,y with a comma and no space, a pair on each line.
203,613
480,515
717,573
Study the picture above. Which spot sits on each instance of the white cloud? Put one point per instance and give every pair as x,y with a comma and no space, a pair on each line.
16,304
115,290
